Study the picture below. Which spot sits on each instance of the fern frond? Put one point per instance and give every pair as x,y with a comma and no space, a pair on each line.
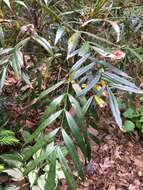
7,138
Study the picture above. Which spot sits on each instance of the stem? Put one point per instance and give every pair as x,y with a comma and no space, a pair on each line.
65,102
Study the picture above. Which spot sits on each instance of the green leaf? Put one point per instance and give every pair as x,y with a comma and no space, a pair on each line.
1,168
22,43
6,51
38,161
127,88
44,43
73,153
17,62
32,176
75,104
40,143
50,182
15,173
7,2
66,169
87,105
113,68
81,121
73,42
114,108
14,156
91,84
26,78
114,24
77,89
49,11
85,48
128,126
136,54
2,36
7,138
129,113
83,70
76,133
21,3
59,34
3,77
141,119
44,124
79,62
119,80
49,90
53,106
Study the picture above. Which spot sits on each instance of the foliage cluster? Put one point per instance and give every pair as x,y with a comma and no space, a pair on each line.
65,58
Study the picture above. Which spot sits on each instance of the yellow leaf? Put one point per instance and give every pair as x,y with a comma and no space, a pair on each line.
1,14
99,101
103,83
97,87
46,74
84,85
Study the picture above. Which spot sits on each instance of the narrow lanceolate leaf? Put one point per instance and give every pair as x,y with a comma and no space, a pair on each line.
83,70
44,43
2,36
17,63
136,54
73,153
46,1
5,51
49,11
51,89
22,43
40,143
76,132
119,80
7,2
113,23
116,28
52,107
3,77
111,67
127,88
66,169
38,161
59,34
81,121
73,42
9,157
78,90
114,108
79,62
87,105
21,3
114,69
75,104
50,182
26,78
45,124
91,84
85,48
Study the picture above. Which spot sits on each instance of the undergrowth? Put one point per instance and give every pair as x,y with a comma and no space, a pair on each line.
66,58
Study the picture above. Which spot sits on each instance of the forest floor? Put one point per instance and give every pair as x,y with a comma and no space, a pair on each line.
117,162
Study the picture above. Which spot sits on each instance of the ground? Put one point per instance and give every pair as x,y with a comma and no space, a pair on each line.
116,164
